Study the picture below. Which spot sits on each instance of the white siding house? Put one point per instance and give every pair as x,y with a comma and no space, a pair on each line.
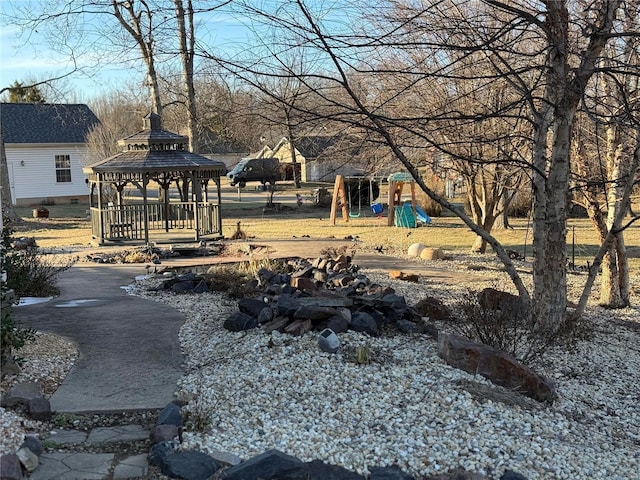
46,150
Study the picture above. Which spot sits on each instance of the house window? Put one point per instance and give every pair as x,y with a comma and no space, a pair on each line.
63,168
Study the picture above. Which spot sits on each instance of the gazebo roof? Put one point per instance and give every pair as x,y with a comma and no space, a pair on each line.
155,150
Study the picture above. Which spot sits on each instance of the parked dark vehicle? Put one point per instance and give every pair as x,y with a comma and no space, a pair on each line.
263,170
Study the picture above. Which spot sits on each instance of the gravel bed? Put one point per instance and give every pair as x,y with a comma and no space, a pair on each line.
251,391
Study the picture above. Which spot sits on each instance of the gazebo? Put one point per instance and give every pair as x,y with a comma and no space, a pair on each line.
152,160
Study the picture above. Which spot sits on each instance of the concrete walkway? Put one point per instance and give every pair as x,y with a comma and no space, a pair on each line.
129,350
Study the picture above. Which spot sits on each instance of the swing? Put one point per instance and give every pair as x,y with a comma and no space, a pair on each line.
351,214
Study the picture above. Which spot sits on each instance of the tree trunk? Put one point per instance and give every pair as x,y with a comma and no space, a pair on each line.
186,39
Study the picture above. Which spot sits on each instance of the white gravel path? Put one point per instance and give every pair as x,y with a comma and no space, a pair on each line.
252,391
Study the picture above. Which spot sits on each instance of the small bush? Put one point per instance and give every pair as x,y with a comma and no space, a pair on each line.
31,274
12,336
509,329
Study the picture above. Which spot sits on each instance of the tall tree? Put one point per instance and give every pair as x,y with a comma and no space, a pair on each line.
545,53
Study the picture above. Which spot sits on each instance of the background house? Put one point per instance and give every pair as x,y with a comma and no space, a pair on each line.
319,158
45,145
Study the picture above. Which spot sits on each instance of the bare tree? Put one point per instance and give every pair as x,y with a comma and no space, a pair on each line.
545,53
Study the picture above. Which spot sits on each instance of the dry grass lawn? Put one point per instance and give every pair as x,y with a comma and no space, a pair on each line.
68,226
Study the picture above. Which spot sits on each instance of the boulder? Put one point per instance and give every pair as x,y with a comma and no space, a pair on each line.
163,433
10,467
432,254
400,275
338,324
28,459
189,465
433,308
415,249
238,322
511,475
363,322
39,408
160,451
21,393
265,315
267,466
318,470
407,326
495,365
251,306
457,474
201,287
392,472
183,287
303,283
171,415
328,341
287,305
314,313
32,443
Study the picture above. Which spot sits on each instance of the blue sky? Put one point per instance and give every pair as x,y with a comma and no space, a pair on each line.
28,59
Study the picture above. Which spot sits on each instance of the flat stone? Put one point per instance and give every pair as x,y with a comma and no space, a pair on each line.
73,466
120,433
225,458
63,437
131,467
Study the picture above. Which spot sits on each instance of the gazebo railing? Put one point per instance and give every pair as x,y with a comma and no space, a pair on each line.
127,222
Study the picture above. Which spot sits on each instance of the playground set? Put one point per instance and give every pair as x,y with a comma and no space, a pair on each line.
407,214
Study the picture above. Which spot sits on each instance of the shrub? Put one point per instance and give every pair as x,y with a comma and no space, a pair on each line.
32,274
13,337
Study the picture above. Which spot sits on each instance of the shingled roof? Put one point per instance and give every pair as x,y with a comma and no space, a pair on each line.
40,123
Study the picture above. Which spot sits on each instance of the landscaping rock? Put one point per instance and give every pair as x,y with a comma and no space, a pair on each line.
226,458
328,341
238,322
183,287
201,287
303,283
415,249
28,459
265,315
32,443
318,470
171,415
266,466
314,313
338,324
409,327
21,393
494,365
163,433
511,475
432,254
433,308
457,474
160,451
10,467
189,465
388,473
251,306
39,408
363,322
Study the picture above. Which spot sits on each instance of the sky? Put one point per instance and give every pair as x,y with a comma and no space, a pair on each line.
31,58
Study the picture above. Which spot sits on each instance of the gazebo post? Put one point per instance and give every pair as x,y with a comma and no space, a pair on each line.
145,182
100,212
196,195
165,187
218,210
